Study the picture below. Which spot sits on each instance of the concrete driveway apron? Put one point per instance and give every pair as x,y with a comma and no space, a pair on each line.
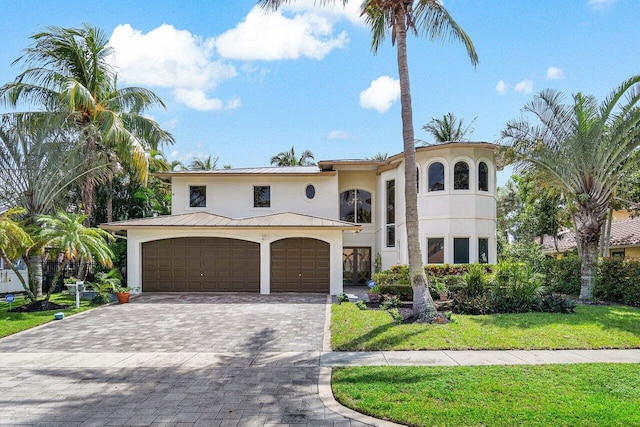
172,359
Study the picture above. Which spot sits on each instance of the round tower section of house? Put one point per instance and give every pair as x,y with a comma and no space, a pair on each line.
456,185
457,202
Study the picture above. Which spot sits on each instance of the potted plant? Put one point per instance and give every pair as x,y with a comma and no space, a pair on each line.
123,294
441,288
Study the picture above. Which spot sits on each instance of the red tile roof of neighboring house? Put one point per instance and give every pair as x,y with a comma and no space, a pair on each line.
624,232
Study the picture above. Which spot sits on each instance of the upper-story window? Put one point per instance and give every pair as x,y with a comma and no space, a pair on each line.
483,177
391,213
436,177
461,176
197,196
418,180
261,196
355,206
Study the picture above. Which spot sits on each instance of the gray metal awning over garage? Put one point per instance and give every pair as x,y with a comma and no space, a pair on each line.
286,220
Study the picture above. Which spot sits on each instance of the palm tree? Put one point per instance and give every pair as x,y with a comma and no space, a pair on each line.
380,157
449,129
39,162
14,243
68,74
289,158
67,239
583,149
430,18
207,164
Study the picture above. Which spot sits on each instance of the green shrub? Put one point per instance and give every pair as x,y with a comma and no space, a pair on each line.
343,298
361,305
390,301
563,275
618,280
388,277
475,280
402,291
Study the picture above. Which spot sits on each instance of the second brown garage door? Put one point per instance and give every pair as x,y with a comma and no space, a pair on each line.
300,265
200,264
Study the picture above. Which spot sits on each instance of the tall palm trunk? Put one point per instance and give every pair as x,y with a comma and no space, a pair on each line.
34,269
423,305
588,264
87,185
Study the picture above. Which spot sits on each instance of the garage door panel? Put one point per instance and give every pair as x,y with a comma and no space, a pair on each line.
207,264
300,265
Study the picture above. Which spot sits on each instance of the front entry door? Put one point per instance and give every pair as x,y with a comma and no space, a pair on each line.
356,266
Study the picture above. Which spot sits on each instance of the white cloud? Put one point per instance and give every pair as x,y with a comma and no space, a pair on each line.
274,36
197,100
338,134
382,93
525,87
333,11
601,4
170,58
502,87
555,73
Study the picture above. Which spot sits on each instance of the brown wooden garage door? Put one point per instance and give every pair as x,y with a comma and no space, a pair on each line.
300,265
200,264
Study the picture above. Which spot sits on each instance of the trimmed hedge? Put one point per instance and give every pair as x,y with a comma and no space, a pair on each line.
402,291
617,279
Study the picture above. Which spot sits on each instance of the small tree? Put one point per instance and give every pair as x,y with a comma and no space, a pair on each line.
14,243
67,239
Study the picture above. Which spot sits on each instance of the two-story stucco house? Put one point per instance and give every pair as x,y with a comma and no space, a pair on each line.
313,228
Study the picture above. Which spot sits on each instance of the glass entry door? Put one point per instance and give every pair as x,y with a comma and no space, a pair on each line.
356,266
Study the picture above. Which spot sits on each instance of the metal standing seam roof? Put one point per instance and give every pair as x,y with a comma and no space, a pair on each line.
207,219
625,232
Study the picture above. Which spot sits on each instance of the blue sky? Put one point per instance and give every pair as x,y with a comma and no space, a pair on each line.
243,85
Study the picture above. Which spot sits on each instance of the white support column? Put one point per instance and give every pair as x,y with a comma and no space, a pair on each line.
265,267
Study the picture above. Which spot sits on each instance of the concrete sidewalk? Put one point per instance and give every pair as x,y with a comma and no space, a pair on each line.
317,359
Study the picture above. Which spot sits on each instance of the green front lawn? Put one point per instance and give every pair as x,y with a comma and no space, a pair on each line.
10,323
544,395
590,327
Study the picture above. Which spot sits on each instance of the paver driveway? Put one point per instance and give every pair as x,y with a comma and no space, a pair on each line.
171,359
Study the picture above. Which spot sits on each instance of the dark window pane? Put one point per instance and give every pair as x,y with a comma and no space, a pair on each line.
483,177
355,206
418,180
391,236
197,196
391,201
364,207
435,250
261,196
483,251
436,177
347,208
461,250
310,191
461,176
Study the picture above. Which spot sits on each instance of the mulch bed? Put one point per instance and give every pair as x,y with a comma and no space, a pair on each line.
406,311
40,305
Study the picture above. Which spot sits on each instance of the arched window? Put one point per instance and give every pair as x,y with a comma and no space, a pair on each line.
436,177
461,176
355,206
483,177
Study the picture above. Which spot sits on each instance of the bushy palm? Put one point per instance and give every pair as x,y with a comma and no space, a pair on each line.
289,158
449,128
14,243
207,164
581,148
66,239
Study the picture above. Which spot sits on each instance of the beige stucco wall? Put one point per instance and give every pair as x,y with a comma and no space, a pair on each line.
232,196
136,237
